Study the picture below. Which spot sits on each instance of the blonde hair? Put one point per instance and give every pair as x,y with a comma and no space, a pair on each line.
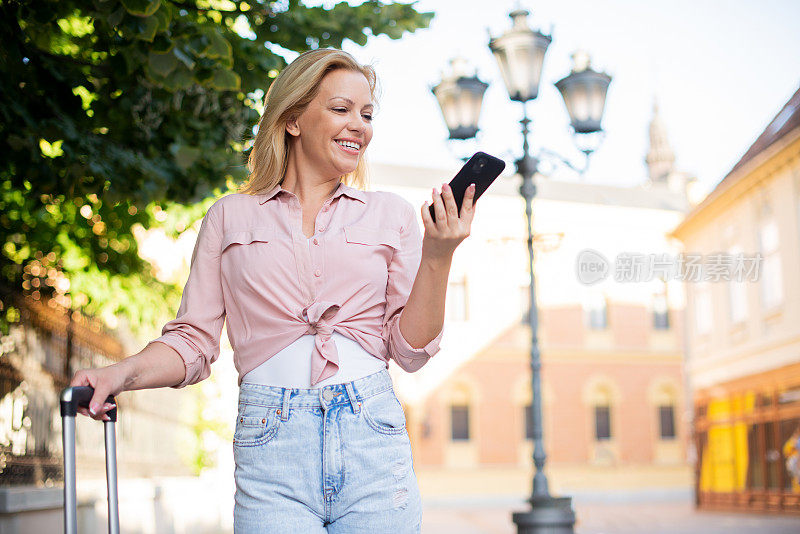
294,88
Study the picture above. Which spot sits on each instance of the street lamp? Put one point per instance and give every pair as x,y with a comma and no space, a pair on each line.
584,93
460,97
520,55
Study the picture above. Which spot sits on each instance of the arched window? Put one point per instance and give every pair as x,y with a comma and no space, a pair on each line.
663,396
595,311
601,395
737,290
702,307
602,420
661,309
460,407
769,247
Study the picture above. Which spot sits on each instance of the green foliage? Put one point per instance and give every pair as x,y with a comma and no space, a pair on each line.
206,432
112,108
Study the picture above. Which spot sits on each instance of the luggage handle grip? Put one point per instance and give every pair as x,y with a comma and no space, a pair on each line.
73,398
76,397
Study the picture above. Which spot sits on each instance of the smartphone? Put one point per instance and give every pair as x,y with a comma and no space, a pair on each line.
481,169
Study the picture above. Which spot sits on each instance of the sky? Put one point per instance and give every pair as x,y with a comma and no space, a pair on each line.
720,70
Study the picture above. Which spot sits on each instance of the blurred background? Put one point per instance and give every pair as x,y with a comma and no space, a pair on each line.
663,148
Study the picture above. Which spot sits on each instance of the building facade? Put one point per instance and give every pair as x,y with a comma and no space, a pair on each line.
743,335
615,414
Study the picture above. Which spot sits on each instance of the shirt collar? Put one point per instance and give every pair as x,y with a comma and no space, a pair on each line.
342,189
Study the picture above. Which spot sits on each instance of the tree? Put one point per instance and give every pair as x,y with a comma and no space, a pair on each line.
113,110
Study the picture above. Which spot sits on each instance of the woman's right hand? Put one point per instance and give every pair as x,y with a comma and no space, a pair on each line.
105,381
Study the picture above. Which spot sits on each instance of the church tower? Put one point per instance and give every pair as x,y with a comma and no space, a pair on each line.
660,159
661,162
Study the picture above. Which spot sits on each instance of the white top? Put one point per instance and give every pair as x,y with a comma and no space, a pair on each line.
291,367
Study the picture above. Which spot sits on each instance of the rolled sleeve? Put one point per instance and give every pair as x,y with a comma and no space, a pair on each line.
402,272
409,358
195,332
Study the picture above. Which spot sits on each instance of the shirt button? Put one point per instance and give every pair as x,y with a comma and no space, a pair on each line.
321,228
315,241
324,208
317,273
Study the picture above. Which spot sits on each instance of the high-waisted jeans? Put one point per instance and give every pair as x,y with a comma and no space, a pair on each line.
335,459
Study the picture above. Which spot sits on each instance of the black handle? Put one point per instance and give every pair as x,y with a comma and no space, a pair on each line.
79,397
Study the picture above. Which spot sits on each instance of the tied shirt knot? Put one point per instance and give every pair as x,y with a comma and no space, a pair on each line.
325,357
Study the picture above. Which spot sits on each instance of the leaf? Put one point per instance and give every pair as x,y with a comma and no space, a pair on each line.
199,44
164,16
141,8
116,17
130,60
226,80
219,46
147,29
181,78
203,75
162,64
103,5
161,44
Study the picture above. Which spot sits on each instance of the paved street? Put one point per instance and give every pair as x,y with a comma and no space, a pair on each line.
621,514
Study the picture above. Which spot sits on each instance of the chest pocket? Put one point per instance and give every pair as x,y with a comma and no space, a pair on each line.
245,237
369,252
364,235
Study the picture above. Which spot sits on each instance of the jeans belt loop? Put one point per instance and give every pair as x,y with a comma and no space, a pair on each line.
285,407
351,394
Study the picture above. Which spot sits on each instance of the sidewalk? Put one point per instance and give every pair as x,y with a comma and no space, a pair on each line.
620,513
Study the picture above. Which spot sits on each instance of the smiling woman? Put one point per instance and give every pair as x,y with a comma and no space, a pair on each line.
319,283
334,129
320,85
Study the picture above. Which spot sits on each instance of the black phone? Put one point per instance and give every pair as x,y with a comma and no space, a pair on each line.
481,169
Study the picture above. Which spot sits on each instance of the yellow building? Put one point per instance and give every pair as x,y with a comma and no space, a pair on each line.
743,326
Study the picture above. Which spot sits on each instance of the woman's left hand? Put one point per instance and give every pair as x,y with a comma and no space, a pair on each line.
450,229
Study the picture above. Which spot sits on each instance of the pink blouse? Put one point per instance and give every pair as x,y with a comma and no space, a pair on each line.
253,265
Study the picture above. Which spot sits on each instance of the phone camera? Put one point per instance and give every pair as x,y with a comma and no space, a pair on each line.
480,164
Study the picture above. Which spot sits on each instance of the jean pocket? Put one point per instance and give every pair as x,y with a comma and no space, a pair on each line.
384,413
255,425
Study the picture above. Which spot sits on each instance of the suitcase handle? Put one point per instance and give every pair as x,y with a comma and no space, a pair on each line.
71,399
79,397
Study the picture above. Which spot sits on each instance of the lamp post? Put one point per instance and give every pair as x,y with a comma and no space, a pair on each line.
520,55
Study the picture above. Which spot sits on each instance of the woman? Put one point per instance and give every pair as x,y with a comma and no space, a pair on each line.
321,284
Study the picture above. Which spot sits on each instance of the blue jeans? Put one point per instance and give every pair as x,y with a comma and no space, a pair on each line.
335,459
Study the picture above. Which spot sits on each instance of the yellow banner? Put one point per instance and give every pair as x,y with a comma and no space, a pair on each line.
724,458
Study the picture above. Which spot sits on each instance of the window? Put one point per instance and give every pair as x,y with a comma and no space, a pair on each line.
770,275
702,307
666,417
737,292
797,202
456,302
459,422
595,311
602,423
528,422
660,311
